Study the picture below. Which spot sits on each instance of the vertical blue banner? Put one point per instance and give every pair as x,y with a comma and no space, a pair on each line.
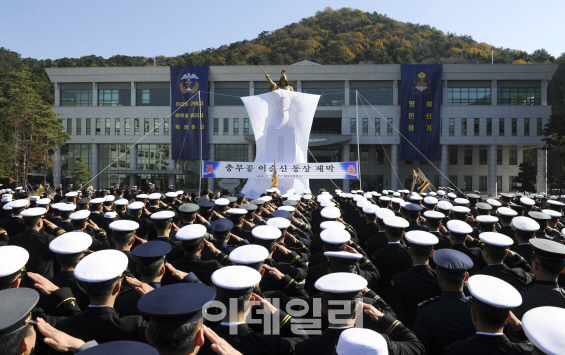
420,111
189,120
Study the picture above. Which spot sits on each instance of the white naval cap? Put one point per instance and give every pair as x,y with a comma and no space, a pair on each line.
544,328
493,291
137,205
121,202
191,232
361,341
367,195
429,200
460,209
34,198
552,213
343,255
421,238
78,215
7,198
396,194
12,259
461,201
555,203
307,197
286,208
7,207
385,199
383,213
332,225
162,215
486,219
264,198
18,188
67,207
451,195
71,194
496,239
525,224
171,194
19,203
71,243
371,209
434,215
506,211
278,222
124,225
266,232
459,227
494,203
444,205
97,201
330,213
441,193
180,192
104,265
335,236
43,201
153,196
397,200
415,198
341,282
327,203
222,202
109,198
142,196
396,222
34,212
110,215
236,277
249,254
527,201
236,211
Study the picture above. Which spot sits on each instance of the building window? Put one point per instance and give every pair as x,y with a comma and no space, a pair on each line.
482,183
146,126
436,180
117,127
236,126
231,152
526,126
501,126
408,162
352,126
246,126
136,126
468,96
153,157
79,127
514,127
365,126
88,126
329,96
97,130
126,126
453,157
482,157
216,129
468,156
499,157
519,96
407,180
452,126
364,156
156,126
229,96
114,97
352,155
166,127
153,97
70,126
463,127
76,97
226,126
513,183
377,126
453,180
389,127
107,127
69,155
489,126
373,182
513,157
539,126
375,96
468,182
477,126
499,184
380,156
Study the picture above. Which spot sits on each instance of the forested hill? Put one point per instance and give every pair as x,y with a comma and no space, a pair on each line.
343,36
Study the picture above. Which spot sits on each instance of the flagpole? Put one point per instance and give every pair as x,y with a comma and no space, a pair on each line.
357,133
200,129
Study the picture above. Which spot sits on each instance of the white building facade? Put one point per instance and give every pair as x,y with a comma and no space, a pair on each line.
490,115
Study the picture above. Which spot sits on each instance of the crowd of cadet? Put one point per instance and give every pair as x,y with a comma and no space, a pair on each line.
391,272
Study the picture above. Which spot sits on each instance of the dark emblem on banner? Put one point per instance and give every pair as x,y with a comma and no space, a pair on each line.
421,85
186,87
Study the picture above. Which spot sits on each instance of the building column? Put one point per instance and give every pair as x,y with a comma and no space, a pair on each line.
95,163
57,94
444,92
251,152
345,152
211,99
395,98
212,156
544,92
444,166
299,85
493,93
133,96
542,170
394,160
133,165
347,103
94,94
57,168
492,171
251,88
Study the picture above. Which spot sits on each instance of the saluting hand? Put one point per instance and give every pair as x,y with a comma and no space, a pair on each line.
176,273
141,287
58,340
274,271
219,345
211,246
374,313
42,284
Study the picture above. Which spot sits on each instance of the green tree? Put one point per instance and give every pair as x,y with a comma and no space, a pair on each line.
528,171
80,175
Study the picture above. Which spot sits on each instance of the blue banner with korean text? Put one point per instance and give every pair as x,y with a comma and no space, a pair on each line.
420,112
189,120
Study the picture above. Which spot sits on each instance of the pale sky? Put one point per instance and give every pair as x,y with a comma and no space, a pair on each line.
71,28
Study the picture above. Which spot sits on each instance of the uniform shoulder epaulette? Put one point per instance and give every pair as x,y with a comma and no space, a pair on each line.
428,301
